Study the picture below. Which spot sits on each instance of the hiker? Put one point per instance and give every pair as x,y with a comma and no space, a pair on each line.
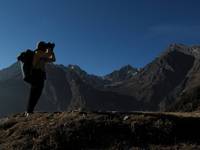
37,75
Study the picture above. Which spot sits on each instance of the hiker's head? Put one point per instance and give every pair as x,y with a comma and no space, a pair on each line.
42,46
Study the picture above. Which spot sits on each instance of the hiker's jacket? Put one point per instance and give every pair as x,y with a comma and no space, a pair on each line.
41,58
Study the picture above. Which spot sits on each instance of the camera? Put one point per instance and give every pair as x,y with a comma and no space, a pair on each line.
46,46
50,46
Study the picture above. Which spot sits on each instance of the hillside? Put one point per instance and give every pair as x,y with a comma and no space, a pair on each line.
100,130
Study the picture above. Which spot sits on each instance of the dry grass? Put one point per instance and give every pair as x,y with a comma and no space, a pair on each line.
100,130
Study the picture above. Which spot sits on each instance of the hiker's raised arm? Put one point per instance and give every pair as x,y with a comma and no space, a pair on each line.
52,57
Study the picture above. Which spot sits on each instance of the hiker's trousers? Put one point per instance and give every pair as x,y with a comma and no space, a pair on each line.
35,93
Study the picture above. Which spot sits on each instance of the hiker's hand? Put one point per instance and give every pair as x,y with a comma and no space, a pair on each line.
53,57
48,59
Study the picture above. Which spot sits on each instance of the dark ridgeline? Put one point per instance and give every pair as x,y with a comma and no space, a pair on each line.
169,82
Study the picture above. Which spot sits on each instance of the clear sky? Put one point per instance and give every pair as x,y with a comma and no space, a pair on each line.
98,35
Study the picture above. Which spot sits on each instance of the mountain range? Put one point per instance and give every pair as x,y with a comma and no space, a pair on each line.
169,83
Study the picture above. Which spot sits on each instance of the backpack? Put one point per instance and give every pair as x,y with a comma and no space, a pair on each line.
26,58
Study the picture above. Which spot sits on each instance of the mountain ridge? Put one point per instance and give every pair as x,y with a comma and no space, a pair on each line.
159,86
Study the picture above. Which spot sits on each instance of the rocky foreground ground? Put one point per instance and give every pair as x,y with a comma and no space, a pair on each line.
100,130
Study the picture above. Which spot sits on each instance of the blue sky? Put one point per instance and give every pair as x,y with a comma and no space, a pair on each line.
98,35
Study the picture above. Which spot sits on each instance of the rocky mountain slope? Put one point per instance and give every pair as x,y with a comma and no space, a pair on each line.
170,82
96,130
163,83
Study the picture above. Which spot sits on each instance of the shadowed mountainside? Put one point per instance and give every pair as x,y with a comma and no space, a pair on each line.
67,88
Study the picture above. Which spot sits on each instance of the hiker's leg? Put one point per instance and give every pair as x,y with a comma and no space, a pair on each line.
31,99
35,93
38,92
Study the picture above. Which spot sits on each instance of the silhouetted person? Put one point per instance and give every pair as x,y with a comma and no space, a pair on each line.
42,55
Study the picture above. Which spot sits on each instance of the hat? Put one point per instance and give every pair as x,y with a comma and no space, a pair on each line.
41,45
